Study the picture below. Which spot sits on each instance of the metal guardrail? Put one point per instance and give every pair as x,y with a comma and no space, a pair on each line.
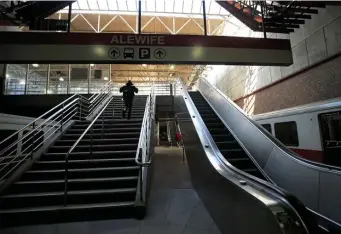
142,154
77,142
21,145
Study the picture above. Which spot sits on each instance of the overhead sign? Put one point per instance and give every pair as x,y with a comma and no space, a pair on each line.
20,47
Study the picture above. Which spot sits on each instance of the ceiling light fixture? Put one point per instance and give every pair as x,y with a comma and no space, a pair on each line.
61,79
172,67
22,82
144,65
35,65
105,78
92,65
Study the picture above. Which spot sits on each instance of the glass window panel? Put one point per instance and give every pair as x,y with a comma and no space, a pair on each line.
214,8
99,76
122,5
144,5
286,132
160,6
169,5
151,5
132,5
75,6
178,6
197,7
15,79
103,5
112,5
79,78
83,4
188,6
58,79
37,79
93,4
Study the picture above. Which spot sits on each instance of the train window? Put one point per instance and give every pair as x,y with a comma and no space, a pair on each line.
331,129
267,127
286,132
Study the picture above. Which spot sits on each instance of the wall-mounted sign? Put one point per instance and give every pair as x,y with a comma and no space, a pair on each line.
21,47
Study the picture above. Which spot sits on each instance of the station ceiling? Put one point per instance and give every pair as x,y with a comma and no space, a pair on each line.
158,17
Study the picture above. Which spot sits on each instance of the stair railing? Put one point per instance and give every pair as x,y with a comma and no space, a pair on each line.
96,99
142,155
21,145
90,127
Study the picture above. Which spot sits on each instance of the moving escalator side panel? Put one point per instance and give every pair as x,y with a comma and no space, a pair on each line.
234,210
227,144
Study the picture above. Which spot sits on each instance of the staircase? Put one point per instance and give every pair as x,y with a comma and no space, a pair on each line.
102,178
172,132
279,16
225,141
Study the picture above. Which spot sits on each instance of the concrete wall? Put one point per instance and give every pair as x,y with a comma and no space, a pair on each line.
316,40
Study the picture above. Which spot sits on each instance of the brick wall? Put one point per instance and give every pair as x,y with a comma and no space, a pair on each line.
320,82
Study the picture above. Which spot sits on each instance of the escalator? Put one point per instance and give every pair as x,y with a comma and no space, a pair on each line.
227,144
244,145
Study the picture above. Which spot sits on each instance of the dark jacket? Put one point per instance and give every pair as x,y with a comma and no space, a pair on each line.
128,91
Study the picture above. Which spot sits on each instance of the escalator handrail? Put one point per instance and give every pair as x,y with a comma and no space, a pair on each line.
291,154
315,165
255,182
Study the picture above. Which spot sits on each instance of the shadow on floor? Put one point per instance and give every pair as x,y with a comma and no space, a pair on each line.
174,207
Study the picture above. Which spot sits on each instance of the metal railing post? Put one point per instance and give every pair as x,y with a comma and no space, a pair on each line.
80,109
33,139
91,132
102,125
62,120
66,179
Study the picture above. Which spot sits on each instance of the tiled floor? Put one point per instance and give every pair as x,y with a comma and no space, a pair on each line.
174,207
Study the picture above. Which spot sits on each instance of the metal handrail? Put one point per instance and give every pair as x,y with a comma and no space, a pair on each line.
147,119
77,142
109,84
48,124
58,119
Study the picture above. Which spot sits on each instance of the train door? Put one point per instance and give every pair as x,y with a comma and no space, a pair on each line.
330,125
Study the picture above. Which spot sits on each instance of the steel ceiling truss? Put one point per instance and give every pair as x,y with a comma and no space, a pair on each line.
174,29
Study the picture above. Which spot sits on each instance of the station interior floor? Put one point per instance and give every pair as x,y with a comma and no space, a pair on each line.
174,206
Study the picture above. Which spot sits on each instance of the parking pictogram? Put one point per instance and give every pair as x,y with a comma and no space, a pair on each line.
144,53
159,53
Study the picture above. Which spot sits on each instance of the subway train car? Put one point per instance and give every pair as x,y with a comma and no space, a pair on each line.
312,131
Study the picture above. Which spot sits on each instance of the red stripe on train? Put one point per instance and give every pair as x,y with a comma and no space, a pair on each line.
313,155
